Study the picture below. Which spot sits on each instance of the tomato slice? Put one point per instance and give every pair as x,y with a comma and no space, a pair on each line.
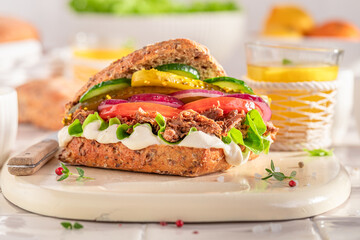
129,109
227,104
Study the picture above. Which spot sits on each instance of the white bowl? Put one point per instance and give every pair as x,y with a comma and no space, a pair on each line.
221,32
8,121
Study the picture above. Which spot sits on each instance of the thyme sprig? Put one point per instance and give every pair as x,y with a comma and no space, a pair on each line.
66,173
68,225
277,175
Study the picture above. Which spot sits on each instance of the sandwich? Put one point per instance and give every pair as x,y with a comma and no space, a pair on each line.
168,108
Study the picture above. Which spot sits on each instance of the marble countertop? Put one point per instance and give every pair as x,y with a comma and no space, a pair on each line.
340,223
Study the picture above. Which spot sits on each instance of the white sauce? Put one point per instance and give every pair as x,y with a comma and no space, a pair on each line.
143,137
64,136
91,131
108,135
198,139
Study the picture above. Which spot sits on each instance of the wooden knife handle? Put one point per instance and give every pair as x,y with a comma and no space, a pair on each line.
33,158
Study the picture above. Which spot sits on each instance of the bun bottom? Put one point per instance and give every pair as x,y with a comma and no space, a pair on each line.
160,159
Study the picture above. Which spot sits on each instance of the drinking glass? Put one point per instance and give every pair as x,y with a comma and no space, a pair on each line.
301,84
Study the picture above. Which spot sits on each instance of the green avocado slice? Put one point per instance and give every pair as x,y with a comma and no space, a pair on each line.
105,87
180,69
230,84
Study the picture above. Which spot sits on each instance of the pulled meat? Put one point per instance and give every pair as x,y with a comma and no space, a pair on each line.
178,127
271,129
81,114
227,122
233,119
213,113
141,117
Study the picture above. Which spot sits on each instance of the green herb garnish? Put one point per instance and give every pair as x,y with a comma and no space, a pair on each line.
78,225
286,61
66,173
320,152
68,225
277,175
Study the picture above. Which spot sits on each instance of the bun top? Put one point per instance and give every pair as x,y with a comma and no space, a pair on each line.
12,29
182,51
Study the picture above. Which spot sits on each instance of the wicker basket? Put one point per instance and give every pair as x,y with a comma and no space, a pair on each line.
303,112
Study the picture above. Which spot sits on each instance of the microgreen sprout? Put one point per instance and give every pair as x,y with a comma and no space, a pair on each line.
320,152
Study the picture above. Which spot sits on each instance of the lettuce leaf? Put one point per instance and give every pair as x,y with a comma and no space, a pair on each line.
75,129
236,136
94,117
255,141
160,120
193,129
114,120
121,131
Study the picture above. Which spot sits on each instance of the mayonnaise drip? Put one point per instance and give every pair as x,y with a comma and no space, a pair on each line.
143,137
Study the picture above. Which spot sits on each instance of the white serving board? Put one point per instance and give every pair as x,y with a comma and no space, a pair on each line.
323,184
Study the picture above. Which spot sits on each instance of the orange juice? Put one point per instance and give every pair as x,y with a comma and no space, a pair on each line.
277,72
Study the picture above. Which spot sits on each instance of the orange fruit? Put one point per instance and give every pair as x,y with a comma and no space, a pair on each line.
338,29
288,21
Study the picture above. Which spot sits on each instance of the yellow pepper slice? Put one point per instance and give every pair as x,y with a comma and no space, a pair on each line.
157,78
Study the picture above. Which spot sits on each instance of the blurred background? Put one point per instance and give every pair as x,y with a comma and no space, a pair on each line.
48,49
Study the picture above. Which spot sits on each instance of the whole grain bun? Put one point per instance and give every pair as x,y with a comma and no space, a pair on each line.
12,29
161,159
183,51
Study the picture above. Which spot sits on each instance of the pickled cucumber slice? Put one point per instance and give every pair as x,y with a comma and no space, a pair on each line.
180,69
154,77
105,87
229,84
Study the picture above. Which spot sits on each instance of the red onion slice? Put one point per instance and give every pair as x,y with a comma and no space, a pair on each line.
157,98
266,111
196,93
109,102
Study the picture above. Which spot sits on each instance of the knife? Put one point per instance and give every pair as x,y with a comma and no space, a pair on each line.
33,158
